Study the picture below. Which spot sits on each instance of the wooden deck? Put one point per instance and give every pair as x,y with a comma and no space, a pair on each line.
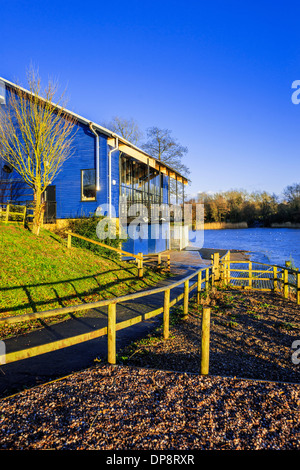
259,280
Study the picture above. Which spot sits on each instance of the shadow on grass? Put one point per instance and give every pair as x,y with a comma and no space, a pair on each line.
104,290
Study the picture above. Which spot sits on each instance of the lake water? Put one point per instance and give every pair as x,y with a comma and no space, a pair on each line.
271,246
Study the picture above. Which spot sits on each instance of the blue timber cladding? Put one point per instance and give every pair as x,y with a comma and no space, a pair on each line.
13,188
68,181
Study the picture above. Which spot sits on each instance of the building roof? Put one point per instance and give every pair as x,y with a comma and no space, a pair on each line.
124,145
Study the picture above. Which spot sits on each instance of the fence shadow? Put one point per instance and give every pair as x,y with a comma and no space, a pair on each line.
102,287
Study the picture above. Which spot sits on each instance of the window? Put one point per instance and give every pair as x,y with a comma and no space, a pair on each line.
88,185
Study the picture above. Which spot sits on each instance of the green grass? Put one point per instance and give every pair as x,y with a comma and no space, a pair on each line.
40,273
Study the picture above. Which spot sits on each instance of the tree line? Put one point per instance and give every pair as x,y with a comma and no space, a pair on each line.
255,208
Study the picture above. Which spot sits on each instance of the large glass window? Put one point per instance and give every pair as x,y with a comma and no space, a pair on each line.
88,185
137,185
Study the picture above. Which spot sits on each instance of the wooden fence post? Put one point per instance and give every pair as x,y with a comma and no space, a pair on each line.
225,271
111,334
7,213
205,333
207,279
298,288
221,268
217,266
159,260
250,275
213,270
166,319
199,282
140,265
275,283
285,283
168,263
186,300
69,243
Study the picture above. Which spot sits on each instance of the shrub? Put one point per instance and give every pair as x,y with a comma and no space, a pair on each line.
87,227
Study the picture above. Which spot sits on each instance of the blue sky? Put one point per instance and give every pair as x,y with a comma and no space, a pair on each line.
217,74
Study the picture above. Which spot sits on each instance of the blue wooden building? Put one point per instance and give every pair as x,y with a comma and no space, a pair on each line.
106,175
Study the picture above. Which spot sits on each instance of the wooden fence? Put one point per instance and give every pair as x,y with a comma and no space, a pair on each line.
13,214
237,274
112,325
261,276
138,257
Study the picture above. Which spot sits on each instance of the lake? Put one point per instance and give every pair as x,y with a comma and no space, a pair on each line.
268,245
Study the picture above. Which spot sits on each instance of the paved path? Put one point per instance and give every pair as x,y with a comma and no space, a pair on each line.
46,367
189,257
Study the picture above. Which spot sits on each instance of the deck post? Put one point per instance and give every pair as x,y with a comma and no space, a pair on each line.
250,275
228,272
285,283
111,334
166,317
205,341
275,283
186,300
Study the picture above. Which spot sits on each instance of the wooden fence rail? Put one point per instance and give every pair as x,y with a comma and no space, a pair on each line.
13,214
261,276
221,270
140,258
112,325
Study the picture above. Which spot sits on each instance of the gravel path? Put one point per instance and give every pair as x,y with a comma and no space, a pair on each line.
251,336
133,406
128,408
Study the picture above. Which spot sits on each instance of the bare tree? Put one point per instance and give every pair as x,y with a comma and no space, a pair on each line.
165,148
36,137
127,128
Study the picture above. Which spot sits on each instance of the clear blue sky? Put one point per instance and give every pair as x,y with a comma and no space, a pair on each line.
217,74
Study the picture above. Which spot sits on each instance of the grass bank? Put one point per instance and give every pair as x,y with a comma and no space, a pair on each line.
40,273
